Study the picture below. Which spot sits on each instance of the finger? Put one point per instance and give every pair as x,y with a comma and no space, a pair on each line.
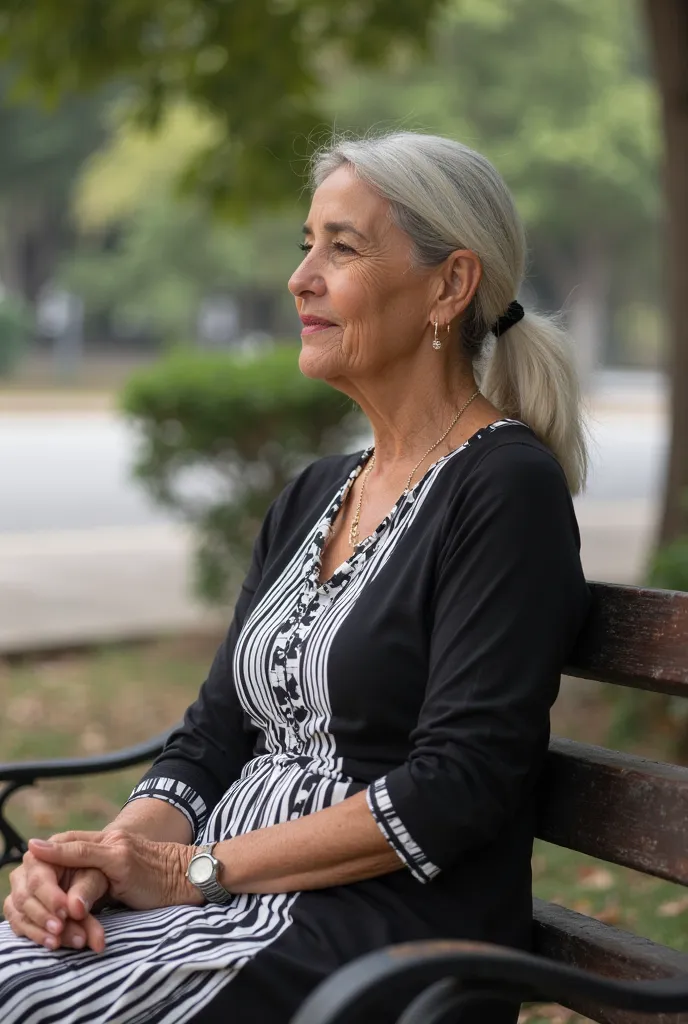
21,926
9,911
74,935
41,881
75,835
95,934
88,886
73,854
51,896
35,913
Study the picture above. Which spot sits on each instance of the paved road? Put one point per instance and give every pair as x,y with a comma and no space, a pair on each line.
84,554
69,471
73,471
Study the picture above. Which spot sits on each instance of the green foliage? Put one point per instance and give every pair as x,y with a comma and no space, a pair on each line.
170,254
558,94
42,150
256,65
670,566
221,437
15,331
571,122
149,255
41,157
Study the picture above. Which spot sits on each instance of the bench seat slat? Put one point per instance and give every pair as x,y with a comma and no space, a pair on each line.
618,807
635,637
568,937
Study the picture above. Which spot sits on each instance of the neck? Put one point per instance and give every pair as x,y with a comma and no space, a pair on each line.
408,417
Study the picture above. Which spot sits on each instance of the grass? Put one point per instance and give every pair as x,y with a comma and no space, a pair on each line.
87,704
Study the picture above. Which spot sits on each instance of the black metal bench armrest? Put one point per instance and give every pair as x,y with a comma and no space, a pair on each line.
26,773
443,975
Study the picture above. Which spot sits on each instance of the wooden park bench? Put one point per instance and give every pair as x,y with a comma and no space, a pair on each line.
621,808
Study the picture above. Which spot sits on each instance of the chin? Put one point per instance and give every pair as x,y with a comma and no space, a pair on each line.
318,364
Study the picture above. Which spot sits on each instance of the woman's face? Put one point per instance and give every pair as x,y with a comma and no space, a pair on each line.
362,303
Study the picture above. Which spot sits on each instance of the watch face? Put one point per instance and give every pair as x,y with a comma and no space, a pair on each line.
201,869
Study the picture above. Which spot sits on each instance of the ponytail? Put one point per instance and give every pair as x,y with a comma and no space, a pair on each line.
529,373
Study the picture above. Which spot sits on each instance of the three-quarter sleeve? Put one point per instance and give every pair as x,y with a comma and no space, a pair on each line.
509,600
215,740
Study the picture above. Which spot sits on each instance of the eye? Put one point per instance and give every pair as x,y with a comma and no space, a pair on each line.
343,247
305,246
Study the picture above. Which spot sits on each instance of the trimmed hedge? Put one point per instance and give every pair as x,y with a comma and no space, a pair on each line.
222,434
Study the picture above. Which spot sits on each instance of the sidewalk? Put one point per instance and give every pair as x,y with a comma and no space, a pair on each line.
76,587
86,401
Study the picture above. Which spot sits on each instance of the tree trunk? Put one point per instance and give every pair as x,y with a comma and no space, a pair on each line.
668,25
29,249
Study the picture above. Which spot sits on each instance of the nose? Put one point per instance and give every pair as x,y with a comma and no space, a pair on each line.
306,280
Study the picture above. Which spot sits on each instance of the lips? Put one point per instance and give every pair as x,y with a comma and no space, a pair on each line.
312,324
315,321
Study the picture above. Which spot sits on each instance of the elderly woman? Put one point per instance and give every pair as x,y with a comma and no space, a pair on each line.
359,766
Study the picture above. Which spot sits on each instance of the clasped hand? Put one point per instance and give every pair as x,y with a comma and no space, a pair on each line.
62,880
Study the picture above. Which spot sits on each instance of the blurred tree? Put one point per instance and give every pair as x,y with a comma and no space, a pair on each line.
668,24
154,269
16,325
559,96
41,154
152,253
256,65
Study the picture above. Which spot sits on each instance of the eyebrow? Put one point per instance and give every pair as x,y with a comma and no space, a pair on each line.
336,227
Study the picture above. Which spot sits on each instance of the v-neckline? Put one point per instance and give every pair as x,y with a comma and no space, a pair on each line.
324,529
346,569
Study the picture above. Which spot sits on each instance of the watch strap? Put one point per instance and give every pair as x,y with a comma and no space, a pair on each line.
213,891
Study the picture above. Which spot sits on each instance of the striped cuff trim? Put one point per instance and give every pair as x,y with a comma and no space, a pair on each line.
181,796
396,833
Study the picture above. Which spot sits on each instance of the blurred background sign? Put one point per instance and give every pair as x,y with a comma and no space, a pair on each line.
218,321
60,316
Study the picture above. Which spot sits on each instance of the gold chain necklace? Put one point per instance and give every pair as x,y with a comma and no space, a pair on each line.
353,532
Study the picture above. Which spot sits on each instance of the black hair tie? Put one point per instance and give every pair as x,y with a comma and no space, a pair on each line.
514,313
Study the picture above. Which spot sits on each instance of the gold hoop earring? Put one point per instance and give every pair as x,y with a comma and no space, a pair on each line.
436,343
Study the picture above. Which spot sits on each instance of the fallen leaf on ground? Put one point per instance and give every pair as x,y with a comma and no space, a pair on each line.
599,879
672,908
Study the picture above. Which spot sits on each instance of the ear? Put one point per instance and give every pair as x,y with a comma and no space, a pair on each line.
461,274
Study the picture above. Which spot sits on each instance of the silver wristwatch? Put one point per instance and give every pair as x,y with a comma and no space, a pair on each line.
202,872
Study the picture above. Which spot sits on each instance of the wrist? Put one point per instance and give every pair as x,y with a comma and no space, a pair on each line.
221,853
189,894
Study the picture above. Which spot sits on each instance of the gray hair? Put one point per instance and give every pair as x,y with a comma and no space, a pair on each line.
446,196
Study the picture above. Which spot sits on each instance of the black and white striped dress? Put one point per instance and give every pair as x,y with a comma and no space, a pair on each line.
422,672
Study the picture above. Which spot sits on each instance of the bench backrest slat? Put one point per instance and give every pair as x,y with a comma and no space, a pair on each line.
618,807
635,637
581,941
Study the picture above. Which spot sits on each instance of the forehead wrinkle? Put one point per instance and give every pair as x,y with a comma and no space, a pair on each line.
338,227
